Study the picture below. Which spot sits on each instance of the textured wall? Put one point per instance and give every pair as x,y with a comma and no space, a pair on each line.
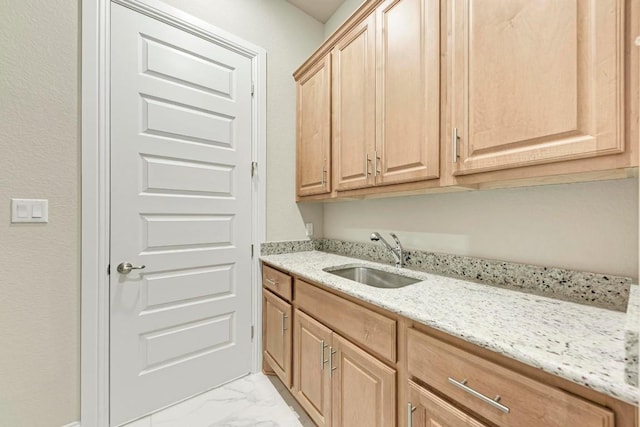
289,36
340,15
587,226
39,263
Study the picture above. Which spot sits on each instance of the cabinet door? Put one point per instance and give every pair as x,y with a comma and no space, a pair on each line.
314,130
363,388
429,410
535,81
312,380
408,87
354,91
277,335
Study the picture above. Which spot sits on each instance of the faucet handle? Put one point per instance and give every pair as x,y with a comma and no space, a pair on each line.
375,236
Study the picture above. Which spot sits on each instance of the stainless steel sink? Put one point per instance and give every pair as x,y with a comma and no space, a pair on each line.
373,277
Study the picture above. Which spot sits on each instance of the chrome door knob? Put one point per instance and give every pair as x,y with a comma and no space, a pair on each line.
126,267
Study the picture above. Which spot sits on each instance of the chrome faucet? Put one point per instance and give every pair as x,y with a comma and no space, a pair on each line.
396,252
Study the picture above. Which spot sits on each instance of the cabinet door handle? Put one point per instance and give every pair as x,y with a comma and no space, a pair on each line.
331,367
322,359
324,172
271,281
454,141
366,165
495,402
376,159
410,409
284,319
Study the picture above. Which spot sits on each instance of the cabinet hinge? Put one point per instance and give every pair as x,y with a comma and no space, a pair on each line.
254,169
253,89
252,332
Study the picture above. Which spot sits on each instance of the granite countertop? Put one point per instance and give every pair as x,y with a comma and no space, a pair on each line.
583,344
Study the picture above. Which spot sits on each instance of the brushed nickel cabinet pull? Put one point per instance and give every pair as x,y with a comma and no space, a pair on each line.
271,281
331,367
454,141
493,402
322,359
410,410
284,319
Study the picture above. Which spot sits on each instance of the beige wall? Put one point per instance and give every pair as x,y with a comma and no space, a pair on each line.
587,226
289,36
340,15
39,152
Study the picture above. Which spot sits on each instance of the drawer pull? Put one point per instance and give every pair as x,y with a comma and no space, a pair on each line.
284,323
493,402
271,281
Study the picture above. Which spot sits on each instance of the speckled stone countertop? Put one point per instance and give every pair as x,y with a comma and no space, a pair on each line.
583,344
632,333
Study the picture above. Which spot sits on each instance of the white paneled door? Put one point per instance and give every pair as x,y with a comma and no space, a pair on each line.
181,207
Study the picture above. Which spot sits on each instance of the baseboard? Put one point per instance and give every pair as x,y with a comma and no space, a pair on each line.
75,424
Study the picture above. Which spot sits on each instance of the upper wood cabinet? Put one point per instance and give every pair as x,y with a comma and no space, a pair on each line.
353,104
386,76
408,90
535,82
313,173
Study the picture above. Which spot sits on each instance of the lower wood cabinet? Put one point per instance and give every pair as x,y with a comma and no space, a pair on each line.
350,364
277,335
336,382
425,409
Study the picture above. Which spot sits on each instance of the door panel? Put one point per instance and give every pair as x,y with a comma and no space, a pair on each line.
363,388
408,119
312,381
180,206
522,96
277,335
313,162
354,91
431,411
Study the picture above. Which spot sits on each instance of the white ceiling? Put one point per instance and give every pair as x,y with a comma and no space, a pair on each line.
319,9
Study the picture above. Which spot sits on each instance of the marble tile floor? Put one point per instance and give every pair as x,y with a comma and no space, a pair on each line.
252,401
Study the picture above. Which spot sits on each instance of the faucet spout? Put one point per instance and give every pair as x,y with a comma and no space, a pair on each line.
397,252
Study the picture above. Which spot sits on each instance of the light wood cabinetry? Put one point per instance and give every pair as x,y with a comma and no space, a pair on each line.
500,395
355,364
408,90
535,82
425,409
444,95
313,150
363,388
386,96
277,335
335,381
353,106
312,378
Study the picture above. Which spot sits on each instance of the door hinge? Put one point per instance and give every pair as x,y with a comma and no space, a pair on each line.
108,269
253,89
252,251
252,332
254,169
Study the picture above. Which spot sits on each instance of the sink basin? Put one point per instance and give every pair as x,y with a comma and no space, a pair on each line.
373,277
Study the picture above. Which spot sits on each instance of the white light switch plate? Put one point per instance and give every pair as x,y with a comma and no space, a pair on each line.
29,210
309,229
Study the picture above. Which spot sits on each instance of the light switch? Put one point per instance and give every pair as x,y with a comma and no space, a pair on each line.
29,210
309,229
23,212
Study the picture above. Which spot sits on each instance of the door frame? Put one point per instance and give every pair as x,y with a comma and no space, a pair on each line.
94,334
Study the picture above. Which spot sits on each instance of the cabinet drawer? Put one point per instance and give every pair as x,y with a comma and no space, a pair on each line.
276,281
528,402
373,331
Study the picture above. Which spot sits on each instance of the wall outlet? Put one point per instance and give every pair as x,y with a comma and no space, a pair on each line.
309,229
